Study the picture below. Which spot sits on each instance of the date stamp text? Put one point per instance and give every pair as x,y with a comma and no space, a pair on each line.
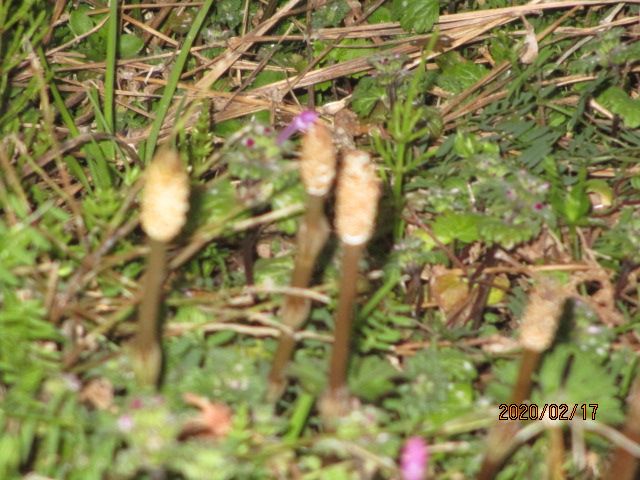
549,411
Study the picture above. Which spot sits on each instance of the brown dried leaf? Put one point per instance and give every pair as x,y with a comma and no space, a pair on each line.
449,290
530,52
98,393
214,420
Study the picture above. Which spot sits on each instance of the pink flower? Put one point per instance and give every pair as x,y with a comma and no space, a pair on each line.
413,460
300,123
125,423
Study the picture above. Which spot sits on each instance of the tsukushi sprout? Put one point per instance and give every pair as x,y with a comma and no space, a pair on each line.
164,206
317,170
538,329
357,196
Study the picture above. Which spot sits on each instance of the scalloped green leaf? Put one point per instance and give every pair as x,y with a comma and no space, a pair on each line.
365,96
416,15
456,226
617,100
458,76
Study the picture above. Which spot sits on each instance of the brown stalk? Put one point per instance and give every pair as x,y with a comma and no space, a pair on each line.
344,318
146,352
356,208
317,171
556,454
163,214
312,237
624,465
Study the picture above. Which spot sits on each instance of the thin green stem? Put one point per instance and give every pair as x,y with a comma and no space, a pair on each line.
381,293
301,411
96,161
110,65
103,125
172,83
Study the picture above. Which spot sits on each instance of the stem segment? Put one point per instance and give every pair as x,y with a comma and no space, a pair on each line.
344,319
624,465
312,236
146,349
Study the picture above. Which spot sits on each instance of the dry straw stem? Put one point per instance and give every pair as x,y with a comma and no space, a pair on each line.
317,169
357,198
165,201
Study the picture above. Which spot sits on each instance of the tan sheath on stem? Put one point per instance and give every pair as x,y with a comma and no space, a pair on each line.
164,206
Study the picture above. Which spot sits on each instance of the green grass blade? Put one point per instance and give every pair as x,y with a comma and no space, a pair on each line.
97,162
110,72
172,84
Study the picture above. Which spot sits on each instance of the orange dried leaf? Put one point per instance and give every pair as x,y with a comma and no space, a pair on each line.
215,419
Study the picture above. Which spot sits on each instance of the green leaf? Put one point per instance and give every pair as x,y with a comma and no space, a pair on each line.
626,53
329,15
229,12
442,380
617,100
286,198
348,49
371,378
129,45
459,75
267,77
588,382
381,15
309,371
273,272
623,240
576,205
456,226
79,22
219,202
365,96
416,15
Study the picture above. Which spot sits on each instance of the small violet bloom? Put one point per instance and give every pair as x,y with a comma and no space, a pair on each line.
413,460
300,123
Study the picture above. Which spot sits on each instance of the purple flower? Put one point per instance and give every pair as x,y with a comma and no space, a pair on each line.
413,460
300,123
